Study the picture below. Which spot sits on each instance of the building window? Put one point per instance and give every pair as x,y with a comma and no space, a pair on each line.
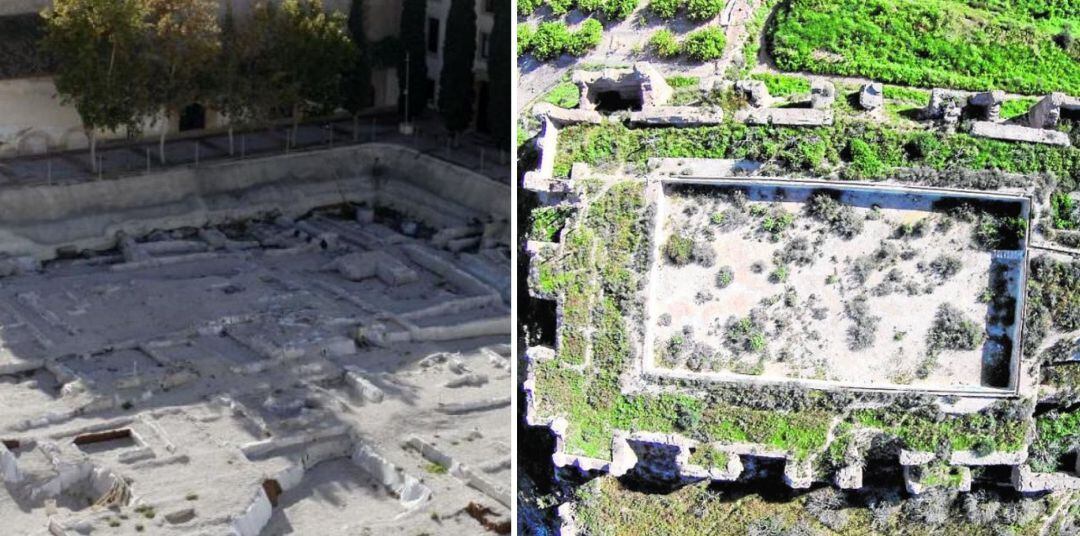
484,42
433,35
193,117
429,90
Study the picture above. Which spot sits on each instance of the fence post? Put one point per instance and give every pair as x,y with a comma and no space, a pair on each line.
331,127
481,159
243,146
196,153
372,129
48,173
148,160
101,165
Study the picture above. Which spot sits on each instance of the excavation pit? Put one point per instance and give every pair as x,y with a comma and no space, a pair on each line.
866,287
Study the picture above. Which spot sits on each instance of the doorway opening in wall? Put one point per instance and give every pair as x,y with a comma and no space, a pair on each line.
193,117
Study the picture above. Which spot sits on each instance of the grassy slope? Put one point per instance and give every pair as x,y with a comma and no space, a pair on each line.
1002,44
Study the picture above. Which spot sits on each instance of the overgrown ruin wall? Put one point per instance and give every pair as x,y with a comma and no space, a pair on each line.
37,221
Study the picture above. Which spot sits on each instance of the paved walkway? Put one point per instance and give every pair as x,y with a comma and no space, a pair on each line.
473,151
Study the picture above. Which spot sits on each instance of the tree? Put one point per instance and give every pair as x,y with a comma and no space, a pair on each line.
232,90
311,50
185,41
457,82
357,80
499,76
98,47
413,15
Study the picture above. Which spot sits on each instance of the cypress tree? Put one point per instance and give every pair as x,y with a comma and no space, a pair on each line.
356,90
457,83
499,76
413,15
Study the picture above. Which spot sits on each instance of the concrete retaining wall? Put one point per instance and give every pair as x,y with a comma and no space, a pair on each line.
37,220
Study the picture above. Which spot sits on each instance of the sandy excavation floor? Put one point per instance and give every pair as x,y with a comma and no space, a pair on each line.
261,378
802,323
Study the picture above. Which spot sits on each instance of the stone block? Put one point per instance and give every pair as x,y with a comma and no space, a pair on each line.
872,96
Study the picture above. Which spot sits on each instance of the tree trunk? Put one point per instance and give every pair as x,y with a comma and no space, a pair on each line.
92,137
161,138
356,127
232,144
296,123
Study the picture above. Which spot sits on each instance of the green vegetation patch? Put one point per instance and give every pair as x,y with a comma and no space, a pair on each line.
599,273
552,39
783,85
548,221
709,457
564,95
861,150
1001,429
1022,47
604,507
1056,433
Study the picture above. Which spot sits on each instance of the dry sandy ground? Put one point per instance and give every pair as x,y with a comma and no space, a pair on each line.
814,342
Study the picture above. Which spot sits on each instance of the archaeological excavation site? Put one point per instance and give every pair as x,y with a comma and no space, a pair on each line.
763,303
311,343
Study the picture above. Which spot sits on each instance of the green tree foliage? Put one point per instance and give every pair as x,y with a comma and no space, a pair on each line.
1014,46
311,51
234,88
457,83
413,31
356,82
499,76
99,47
184,41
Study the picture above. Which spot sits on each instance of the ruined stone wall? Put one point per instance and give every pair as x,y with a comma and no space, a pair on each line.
37,221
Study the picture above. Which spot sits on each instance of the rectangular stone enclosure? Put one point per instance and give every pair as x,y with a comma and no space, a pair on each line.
829,284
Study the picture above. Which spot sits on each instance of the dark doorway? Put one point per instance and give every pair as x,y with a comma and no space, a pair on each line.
614,101
483,97
193,118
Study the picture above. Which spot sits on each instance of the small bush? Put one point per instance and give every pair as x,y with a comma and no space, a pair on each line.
779,275
1064,211
944,267
679,250
664,44
952,330
550,40
526,8
703,9
586,37
666,9
526,32
862,334
705,44
560,7
842,219
725,277
619,9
